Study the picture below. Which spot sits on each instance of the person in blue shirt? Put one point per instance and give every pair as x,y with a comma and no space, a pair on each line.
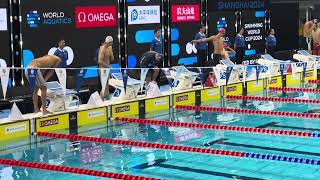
62,53
240,46
201,46
156,44
271,42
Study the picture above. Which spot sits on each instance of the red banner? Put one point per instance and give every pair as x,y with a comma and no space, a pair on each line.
185,13
96,16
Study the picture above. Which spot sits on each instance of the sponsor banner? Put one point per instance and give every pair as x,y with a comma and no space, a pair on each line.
3,19
293,79
32,76
4,75
228,74
237,5
62,77
80,74
143,76
144,15
52,123
210,94
234,89
96,16
125,110
125,80
185,13
92,116
254,87
14,130
184,99
157,104
104,76
36,18
275,82
309,76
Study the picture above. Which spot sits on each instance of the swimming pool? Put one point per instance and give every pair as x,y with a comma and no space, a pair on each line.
166,164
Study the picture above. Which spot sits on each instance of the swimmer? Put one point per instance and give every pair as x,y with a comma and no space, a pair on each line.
312,30
104,59
48,61
313,111
151,59
218,43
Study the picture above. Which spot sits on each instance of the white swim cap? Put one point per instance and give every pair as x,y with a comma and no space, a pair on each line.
109,39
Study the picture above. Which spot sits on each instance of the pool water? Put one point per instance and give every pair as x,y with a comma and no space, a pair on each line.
182,165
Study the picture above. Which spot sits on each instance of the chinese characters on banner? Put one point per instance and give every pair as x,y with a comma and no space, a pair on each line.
144,14
185,13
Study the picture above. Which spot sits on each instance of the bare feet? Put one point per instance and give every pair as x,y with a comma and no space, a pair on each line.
36,111
45,112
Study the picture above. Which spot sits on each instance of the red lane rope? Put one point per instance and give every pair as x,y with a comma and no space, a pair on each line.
35,165
249,111
143,144
217,127
184,148
275,99
294,89
314,81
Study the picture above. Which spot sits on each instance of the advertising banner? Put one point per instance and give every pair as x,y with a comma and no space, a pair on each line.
144,14
185,24
185,13
3,19
253,23
237,5
4,35
83,25
143,21
96,16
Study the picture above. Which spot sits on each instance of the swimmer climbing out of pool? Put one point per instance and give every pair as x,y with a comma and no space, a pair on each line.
48,61
105,58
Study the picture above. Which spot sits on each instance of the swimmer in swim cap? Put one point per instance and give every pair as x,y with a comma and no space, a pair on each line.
218,44
104,61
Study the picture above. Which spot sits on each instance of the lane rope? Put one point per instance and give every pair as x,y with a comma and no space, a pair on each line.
274,99
314,81
183,148
288,89
66,169
249,111
222,128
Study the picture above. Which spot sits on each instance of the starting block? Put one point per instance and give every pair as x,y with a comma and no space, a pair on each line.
183,78
133,87
235,75
58,100
269,61
304,56
306,53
